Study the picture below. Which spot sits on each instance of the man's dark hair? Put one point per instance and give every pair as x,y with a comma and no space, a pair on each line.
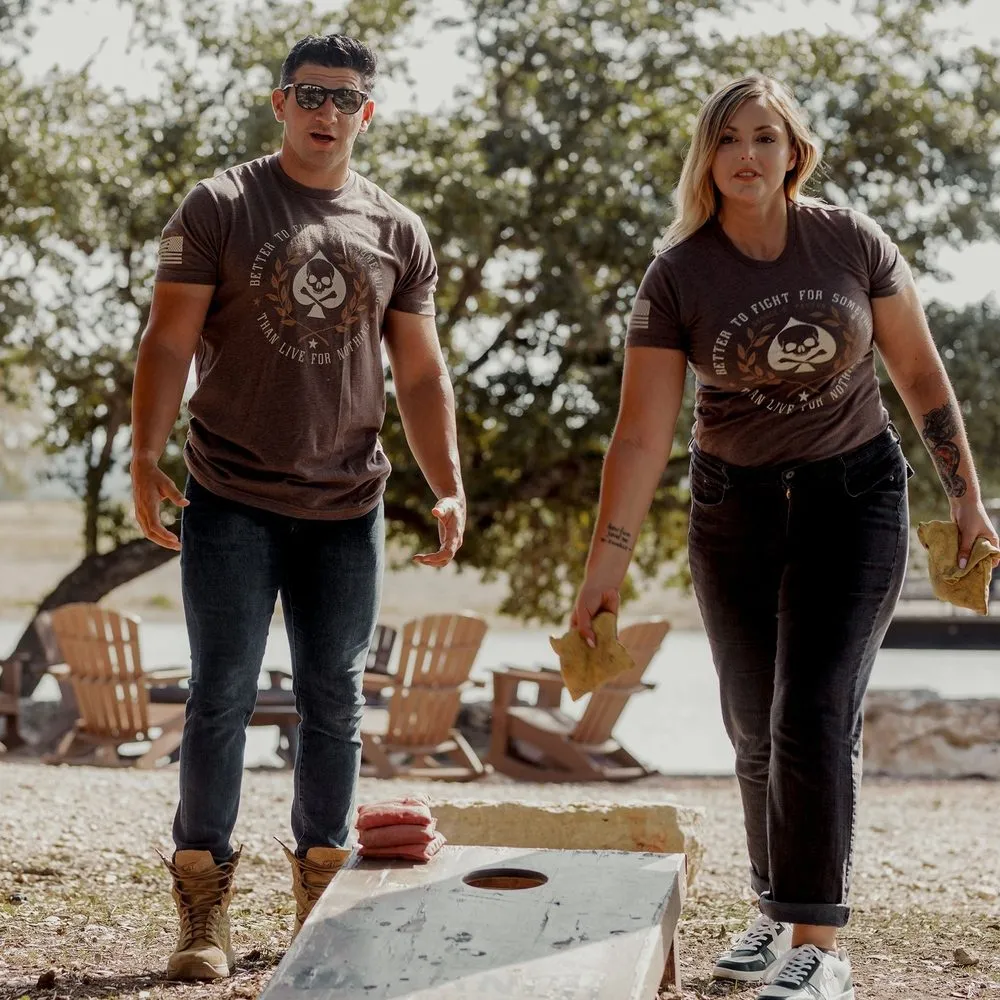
335,51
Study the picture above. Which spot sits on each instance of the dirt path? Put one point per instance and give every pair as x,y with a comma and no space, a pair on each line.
85,902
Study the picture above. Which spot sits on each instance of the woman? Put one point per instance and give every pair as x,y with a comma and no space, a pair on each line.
798,528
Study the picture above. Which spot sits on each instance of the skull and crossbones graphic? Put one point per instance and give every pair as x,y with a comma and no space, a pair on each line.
800,347
319,285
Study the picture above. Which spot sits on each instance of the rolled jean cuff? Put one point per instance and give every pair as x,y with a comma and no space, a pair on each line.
817,914
759,884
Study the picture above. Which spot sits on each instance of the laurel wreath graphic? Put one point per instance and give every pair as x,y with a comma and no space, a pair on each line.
280,296
355,304
281,282
747,351
747,356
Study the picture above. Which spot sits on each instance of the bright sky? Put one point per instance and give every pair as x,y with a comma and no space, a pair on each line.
78,30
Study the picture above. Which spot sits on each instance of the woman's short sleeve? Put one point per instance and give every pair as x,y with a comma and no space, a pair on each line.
656,319
888,272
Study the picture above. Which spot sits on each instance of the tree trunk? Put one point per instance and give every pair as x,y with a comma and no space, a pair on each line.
95,577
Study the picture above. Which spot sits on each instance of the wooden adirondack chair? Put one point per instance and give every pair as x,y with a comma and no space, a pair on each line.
10,702
540,743
435,657
101,651
276,704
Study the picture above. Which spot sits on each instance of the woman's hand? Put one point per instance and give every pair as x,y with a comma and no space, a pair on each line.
591,600
973,522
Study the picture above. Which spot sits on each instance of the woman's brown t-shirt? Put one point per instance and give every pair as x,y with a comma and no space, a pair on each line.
783,350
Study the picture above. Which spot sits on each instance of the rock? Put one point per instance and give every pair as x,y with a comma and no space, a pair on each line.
965,958
918,734
474,722
660,828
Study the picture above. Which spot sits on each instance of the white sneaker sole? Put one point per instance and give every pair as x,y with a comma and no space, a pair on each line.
848,995
721,972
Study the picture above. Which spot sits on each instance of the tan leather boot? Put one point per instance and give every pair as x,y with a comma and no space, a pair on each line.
311,875
202,891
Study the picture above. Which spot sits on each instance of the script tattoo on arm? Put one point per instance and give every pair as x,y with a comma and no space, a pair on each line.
618,537
940,429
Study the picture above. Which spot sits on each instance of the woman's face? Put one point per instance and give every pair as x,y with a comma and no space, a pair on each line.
753,155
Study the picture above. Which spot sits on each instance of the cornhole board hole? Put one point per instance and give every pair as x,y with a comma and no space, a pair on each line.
491,923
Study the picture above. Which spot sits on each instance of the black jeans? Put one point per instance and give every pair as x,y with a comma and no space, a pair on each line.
797,570
235,561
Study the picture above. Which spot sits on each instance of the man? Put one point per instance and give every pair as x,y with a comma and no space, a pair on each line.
283,277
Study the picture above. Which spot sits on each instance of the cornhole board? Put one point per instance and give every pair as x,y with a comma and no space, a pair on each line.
491,923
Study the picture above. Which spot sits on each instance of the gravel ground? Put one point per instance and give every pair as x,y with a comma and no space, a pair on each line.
87,912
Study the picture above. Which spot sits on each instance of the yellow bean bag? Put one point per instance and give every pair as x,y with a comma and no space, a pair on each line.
965,588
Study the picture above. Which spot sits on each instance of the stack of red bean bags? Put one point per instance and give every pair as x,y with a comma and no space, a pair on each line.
398,828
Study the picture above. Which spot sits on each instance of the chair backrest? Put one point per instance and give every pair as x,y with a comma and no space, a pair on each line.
47,638
380,650
435,656
101,649
607,703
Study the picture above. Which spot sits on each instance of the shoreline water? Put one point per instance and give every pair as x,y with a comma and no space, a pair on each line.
676,728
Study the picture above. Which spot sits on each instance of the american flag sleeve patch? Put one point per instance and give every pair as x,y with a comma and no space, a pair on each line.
171,250
640,315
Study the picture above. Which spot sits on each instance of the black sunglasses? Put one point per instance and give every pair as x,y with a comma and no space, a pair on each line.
310,96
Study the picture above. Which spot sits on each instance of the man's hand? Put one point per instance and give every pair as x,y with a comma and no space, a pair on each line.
150,487
450,514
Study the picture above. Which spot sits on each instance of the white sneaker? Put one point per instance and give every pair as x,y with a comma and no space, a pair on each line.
809,973
755,952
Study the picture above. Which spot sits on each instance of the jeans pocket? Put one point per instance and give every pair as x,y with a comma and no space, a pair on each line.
708,487
883,472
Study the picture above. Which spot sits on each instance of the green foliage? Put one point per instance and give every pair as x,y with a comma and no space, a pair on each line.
969,342
543,190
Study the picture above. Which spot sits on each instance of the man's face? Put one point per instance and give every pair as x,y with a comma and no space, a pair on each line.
321,139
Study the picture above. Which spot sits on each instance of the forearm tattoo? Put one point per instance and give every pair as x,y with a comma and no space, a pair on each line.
618,537
940,430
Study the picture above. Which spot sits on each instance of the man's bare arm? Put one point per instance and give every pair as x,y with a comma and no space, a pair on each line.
426,403
176,318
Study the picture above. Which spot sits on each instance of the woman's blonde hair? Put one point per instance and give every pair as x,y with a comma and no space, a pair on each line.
696,197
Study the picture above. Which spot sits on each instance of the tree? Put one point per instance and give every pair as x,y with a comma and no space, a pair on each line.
90,187
969,342
544,192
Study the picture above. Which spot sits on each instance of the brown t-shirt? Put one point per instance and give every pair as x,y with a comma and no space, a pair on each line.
290,391
783,349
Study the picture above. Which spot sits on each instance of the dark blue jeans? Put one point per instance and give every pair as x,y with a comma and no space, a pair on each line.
235,561
797,570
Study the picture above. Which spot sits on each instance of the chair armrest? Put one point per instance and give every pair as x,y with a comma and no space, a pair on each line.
372,681
10,677
166,675
548,676
630,690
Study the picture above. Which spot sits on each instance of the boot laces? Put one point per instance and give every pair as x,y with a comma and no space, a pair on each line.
315,878
201,895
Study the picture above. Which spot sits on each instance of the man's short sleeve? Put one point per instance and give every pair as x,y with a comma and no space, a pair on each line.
191,241
655,319
414,292
888,272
